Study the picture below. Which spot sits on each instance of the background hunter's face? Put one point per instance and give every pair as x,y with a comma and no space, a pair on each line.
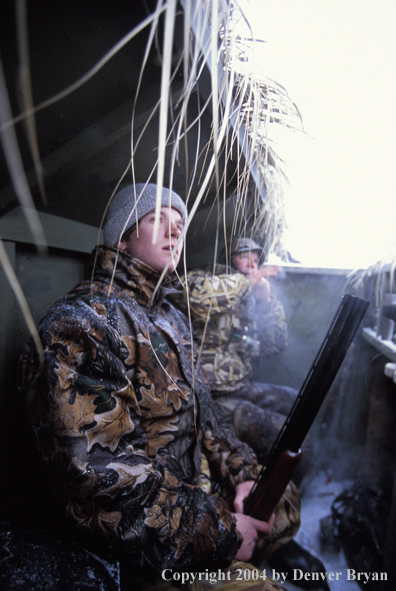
140,243
247,261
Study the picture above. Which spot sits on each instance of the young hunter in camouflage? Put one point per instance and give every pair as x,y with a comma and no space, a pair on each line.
126,431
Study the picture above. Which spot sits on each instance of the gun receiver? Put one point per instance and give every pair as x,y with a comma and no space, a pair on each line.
286,451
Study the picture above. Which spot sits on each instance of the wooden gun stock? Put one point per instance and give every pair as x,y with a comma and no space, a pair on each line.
263,506
286,451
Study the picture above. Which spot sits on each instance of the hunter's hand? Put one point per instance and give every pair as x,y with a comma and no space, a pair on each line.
260,283
249,527
262,290
241,492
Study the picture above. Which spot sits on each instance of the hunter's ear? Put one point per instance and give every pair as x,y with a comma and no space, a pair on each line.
121,245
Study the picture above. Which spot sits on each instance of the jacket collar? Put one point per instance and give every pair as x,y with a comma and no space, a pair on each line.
132,276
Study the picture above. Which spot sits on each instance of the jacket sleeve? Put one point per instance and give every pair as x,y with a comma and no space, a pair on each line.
214,294
86,418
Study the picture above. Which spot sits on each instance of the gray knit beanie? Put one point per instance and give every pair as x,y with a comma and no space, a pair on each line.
133,202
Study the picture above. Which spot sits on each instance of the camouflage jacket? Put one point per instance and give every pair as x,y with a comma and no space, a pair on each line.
231,326
123,420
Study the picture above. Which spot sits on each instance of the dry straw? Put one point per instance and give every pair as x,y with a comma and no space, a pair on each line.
244,110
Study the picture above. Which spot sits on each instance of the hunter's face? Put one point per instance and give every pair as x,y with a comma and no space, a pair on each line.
140,243
246,262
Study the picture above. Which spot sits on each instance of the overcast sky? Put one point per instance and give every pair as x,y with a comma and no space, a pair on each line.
336,59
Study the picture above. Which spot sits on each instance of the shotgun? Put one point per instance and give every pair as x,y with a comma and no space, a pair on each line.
286,451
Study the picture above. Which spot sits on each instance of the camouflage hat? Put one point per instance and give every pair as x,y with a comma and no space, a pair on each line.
243,244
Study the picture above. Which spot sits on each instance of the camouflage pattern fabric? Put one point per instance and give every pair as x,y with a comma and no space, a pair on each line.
257,413
121,416
231,326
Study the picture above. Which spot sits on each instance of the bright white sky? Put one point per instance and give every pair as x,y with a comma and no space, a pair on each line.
336,58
